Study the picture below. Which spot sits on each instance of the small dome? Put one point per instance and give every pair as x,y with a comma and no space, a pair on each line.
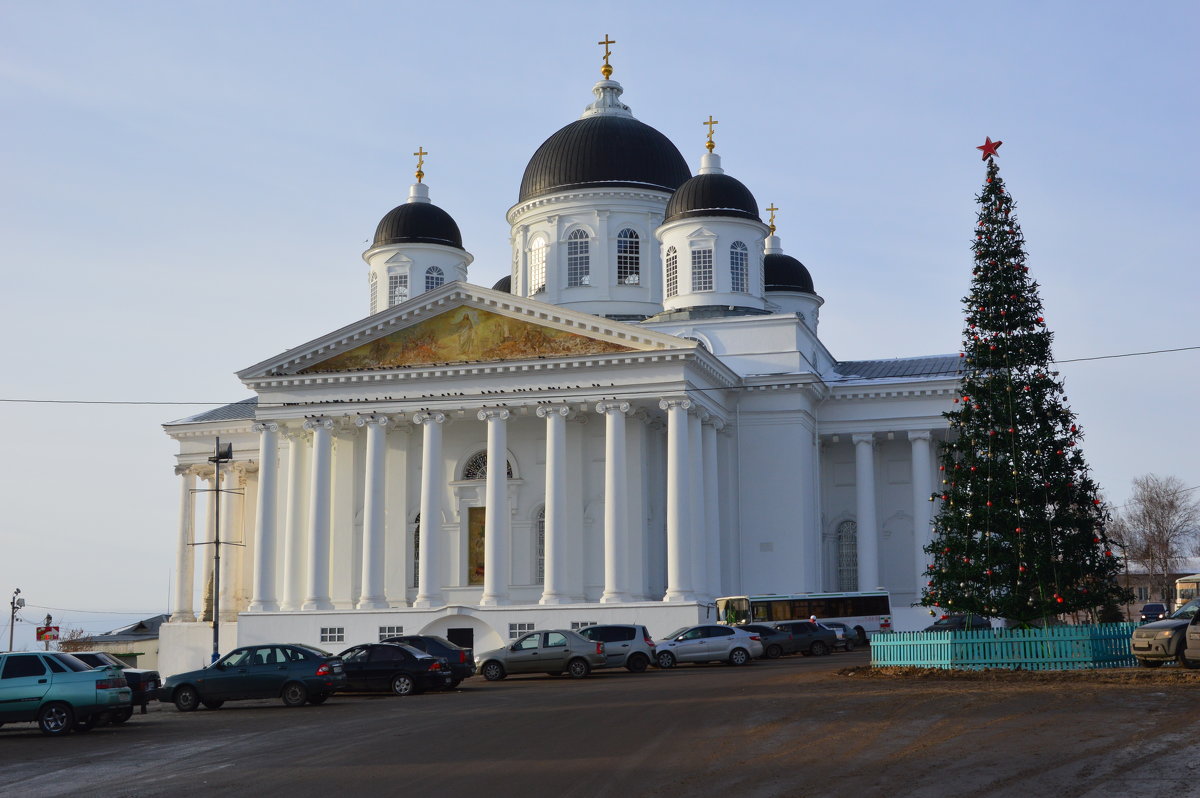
504,284
602,151
418,222
785,273
712,195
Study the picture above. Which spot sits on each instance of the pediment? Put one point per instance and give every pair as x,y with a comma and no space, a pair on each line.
399,259
702,232
458,324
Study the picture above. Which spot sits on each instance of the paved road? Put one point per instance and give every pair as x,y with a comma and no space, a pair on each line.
789,727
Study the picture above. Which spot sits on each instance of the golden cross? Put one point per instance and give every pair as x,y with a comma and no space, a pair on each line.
606,70
710,124
420,153
772,209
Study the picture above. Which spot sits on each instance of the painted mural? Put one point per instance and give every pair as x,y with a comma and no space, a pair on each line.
476,526
463,335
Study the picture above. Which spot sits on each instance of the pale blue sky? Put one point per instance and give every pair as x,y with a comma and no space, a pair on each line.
186,188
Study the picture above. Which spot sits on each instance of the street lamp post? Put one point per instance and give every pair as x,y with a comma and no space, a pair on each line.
15,604
223,455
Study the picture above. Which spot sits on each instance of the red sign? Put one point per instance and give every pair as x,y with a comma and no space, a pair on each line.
47,633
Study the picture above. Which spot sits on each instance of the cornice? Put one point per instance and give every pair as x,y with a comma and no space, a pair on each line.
858,393
590,195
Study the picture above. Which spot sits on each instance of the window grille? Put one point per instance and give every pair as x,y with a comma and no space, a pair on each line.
702,270
847,540
1143,593
739,266
540,555
537,265
397,289
578,260
434,277
390,631
476,467
629,257
333,634
580,624
515,630
374,281
672,272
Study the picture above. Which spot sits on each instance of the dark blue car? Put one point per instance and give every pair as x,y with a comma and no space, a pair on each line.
296,673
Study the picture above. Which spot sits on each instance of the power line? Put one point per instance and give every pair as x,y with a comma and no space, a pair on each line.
96,612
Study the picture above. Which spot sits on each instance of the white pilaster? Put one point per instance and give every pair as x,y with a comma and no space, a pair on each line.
679,567
185,553
615,494
318,514
922,482
293,525
373,596
498,520
266,519
712,510
556,489
868,528
429,590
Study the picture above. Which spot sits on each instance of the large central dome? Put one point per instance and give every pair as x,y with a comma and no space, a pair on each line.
601,151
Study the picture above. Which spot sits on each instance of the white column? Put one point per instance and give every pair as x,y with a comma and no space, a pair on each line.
556,489
497,521
697,542
266,519
868,531
712,510
373,596
679,515
616,588
429,591
231,553
922,482
210,523
185,553
293,533
318,514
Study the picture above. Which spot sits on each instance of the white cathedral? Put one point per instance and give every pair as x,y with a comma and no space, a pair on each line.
639,419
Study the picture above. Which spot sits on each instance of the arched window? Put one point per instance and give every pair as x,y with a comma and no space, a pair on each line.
702,270
540,555
434,277
397,289
417,552
579,270
847,551
672,272
373,281
739,266
629,257
537,265
476,467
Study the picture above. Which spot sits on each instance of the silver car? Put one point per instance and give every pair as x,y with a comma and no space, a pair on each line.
625,645
550,651
708,643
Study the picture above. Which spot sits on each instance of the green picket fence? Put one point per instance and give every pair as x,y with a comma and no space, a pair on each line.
1055,648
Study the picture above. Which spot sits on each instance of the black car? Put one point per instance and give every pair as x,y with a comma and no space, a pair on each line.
958,623
404,670
143,683
1153,612
461,660
811,639
776,641
294,672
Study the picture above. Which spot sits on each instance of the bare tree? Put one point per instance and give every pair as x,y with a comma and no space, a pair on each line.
73,639
1158,527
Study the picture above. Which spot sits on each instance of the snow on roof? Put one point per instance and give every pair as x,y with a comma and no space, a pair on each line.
234,412
935,366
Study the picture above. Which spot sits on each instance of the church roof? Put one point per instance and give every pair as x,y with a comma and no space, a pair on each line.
899,368
237,411
712,195
146,629
418,222
785,273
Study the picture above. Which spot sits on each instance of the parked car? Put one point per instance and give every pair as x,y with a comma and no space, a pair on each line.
709,643
550,651
58,692
1191,653
1162,641
811,638
626,646
958,623
143,684
404,670
293,672
1153,612
847,638
776,642
461,660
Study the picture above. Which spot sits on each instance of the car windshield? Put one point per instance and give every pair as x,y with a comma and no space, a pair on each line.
74,663
1187,611
677,632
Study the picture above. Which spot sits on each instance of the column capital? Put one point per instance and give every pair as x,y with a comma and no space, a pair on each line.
714,422
863,437
493,414
184,471
429,416
544,411
671,404
266,426
372,418
612,404
313,423
920,435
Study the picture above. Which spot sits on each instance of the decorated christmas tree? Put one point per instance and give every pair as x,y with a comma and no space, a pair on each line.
1020,528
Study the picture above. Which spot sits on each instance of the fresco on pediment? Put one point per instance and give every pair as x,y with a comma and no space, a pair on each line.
463,335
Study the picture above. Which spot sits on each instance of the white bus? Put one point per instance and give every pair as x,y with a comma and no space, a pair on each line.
871,610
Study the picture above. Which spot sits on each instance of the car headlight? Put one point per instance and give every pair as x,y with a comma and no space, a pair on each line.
1165,633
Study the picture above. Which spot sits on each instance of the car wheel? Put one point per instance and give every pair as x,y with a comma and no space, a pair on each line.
493,671
213,703
56,719
403,684
739,656
578,668
818,648
849,646
120,716
665,659
1150,663
774,651
453,684
294,694
318,700
186,699
637,663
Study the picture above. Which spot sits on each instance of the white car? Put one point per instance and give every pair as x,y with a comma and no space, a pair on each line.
708,643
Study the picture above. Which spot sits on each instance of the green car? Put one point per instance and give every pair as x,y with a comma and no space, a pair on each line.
59,692
295,672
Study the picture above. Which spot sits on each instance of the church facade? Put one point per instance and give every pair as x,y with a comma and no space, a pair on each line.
641,417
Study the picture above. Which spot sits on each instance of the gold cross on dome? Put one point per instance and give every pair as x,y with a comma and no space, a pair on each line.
606,70
772,209
420,153
710,124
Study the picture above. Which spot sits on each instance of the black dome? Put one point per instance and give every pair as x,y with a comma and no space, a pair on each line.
712,195
785,273
418,222
504,284
604,151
